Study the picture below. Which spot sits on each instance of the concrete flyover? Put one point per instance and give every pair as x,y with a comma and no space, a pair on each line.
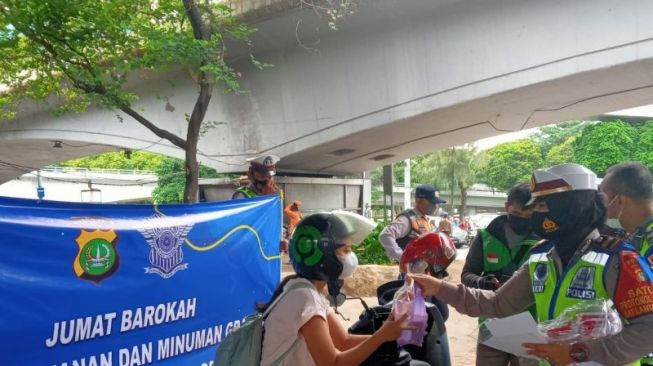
399,78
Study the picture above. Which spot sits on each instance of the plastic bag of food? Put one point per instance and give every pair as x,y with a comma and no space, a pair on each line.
588,320
409,300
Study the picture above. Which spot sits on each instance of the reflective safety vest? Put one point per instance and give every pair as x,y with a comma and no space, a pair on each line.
247,191
497,255
581,281
418,225
646,239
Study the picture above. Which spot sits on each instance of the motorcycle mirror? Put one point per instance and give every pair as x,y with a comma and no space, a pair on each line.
338,300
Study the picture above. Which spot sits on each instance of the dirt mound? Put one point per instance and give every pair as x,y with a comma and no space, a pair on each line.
367,278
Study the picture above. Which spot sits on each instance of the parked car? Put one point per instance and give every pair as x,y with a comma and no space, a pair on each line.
460,237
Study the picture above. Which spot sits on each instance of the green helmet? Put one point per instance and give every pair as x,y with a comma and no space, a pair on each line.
315,240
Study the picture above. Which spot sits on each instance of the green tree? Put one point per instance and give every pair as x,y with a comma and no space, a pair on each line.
562,153
450,168
137,160
171,180
604,144
74,53
511,163
644,146
553,135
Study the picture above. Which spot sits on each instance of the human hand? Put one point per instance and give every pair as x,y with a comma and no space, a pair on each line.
555,354
392,328
489,282
430,285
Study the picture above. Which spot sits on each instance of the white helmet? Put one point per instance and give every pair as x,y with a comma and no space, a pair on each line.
561,178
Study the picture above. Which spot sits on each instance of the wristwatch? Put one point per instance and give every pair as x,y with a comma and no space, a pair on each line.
578,352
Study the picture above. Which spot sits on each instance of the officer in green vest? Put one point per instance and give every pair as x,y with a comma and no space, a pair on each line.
260,174
495,254
574,265
629,190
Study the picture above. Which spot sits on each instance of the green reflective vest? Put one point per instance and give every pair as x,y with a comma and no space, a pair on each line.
497,255
247,191
582,281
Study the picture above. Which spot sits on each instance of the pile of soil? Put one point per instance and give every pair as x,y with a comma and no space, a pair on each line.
367,278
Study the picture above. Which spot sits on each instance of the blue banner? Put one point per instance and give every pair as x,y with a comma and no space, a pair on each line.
127,285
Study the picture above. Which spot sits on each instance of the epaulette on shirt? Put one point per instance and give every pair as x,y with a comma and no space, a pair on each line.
542,246
610,243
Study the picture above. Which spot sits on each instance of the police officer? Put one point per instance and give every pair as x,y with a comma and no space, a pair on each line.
496,253
262,170
575,264
411,222
629,190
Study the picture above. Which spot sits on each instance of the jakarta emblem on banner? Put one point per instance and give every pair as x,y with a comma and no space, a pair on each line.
123,285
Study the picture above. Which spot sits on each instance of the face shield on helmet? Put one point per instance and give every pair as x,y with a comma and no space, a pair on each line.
432,252
315,241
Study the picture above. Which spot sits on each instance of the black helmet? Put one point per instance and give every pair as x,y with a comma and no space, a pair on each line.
315,240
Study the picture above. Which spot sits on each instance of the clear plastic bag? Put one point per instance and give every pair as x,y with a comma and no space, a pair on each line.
588,320
409,300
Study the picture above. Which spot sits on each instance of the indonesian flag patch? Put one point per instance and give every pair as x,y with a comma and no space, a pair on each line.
492,258
634,292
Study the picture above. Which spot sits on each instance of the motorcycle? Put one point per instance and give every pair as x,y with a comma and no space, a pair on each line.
435,347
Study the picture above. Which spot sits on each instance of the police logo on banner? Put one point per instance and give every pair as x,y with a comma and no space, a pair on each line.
166,248
97,257
541,273
582,285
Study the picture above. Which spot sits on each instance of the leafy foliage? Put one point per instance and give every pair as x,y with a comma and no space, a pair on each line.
643,149
553,135
170,188
370,250
71,54
137,160
604,144
450,168
511,163
562,153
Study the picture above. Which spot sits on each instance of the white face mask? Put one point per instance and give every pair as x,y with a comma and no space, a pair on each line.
349,264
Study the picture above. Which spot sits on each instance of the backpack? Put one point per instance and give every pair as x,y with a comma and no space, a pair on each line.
244,345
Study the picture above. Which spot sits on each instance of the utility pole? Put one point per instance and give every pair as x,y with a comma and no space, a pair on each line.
387,189
40,191
407,185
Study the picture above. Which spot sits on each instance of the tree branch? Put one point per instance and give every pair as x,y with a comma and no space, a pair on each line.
176,140
193,12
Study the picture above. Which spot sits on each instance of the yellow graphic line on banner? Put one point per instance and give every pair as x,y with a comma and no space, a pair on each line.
221,240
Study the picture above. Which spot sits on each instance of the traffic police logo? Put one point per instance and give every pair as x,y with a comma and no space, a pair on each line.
582,285
166,250
97,258
541,273
549,225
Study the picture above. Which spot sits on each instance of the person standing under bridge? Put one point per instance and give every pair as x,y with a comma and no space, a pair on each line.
261,173
495,254
412,222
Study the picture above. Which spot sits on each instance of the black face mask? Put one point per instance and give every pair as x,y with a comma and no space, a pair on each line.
550,226
520,225
569,220
260,184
